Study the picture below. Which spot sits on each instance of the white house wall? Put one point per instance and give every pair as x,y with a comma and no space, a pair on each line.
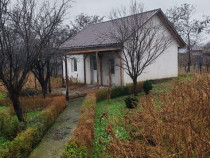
77,76
105,68
165,66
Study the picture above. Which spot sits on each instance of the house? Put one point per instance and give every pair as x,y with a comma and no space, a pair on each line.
89,58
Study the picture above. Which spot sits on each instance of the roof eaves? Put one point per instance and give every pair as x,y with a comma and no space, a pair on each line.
181,41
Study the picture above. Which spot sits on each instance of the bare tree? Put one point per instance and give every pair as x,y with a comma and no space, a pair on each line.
82,20
141,43
189,28
24,36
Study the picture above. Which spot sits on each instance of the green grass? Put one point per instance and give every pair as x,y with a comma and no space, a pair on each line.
29,116
115,109
2,95
4,108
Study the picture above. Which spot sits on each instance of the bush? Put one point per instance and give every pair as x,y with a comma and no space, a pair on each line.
119,91
74,151
23,144
83,135
139,87
8,126
28,92
147,86
101,94
52,111
5,102
131,102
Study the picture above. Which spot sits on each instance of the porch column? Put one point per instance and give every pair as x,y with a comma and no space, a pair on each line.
98,68
62,75
66,68
101,75
121,68
84,61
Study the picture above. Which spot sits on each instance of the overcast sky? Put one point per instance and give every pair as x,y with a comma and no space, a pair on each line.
104,7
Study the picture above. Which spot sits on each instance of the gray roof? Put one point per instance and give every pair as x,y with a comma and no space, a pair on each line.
96,35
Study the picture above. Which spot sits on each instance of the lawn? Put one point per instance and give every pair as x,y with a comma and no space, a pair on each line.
4,108
172,120
2,95
115,109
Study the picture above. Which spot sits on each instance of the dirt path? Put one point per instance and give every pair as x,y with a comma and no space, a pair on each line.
58,135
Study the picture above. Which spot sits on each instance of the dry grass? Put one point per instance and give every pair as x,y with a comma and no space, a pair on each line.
172,124
84,133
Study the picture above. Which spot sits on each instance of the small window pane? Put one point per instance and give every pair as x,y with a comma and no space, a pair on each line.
94,63
75,64
112,66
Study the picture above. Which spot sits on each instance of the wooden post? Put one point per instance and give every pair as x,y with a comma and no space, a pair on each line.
35,82
98,68
121,69
62,76
101,74
85,56
66,68
49,83
110,84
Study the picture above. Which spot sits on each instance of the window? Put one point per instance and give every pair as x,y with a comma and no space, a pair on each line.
111,61
94,63
74,65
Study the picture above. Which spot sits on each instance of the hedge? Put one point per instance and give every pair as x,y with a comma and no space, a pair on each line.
80,144
24,143
8,125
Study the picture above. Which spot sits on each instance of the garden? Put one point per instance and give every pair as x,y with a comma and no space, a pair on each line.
19,139
172,120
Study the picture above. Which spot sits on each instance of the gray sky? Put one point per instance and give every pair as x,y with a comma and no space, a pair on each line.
104,7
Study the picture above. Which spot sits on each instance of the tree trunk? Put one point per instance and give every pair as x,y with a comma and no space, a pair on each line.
189,62
135,86
17,107
44,88
50,89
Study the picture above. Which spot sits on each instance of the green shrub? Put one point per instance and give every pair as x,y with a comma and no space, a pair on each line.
8,126
139,87
74,151
22,145
147,86
119,91
131,102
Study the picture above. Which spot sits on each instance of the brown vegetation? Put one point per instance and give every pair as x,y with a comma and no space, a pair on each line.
83,135
175,124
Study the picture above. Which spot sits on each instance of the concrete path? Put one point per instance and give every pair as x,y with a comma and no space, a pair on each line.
53,143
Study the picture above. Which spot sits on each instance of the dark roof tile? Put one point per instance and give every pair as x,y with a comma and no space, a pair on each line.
93,35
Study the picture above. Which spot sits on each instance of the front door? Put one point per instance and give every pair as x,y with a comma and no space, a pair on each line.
94,66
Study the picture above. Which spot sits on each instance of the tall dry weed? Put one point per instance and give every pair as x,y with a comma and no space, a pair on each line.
172,124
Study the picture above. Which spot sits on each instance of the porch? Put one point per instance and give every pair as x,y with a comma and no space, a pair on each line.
95,67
